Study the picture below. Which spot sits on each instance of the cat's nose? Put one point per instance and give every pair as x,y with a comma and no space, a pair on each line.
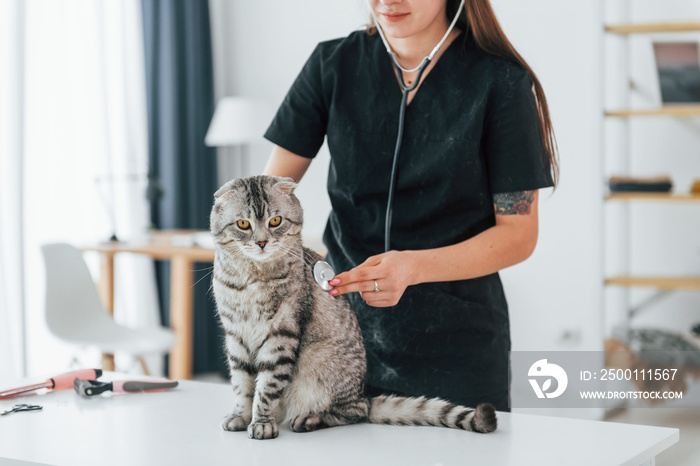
262,244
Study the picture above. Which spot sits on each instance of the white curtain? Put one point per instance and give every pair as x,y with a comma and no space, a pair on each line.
11,130
84,156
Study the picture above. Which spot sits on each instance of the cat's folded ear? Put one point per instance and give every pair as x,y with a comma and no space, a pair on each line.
228,186
286,185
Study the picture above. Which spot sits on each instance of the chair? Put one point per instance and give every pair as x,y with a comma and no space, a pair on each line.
75,314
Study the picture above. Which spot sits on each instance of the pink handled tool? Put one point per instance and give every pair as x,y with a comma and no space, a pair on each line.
93,387
60,382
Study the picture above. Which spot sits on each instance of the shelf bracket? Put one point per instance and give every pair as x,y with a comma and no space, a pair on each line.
691,123
659,295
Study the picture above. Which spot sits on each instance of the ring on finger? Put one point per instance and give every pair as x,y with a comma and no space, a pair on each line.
376,287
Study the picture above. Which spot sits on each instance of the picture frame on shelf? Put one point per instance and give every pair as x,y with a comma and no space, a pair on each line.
678,68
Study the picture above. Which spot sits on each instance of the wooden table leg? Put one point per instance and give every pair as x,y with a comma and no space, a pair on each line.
181,318
106,287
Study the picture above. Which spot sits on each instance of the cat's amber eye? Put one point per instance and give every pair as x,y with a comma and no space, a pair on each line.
243,224
274,221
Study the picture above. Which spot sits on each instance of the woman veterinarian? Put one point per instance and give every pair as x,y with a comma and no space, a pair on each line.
438,149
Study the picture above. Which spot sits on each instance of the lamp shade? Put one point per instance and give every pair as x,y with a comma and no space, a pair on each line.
238,120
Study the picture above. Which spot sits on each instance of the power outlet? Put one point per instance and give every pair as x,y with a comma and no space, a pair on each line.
570,337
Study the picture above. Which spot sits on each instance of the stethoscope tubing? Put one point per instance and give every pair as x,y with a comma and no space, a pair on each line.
402,112
399,137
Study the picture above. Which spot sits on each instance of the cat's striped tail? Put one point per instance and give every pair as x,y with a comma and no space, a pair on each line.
422,411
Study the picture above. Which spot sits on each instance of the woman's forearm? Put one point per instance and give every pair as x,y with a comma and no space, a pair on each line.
510,241
285,163
492,250
390,273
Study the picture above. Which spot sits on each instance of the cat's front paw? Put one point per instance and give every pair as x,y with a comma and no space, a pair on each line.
263,430
235,423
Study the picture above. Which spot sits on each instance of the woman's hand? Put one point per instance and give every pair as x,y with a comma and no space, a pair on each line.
392,272
510,241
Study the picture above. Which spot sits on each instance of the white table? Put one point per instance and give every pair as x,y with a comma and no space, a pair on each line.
181,427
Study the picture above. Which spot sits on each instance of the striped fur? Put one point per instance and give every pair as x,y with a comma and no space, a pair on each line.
424,411
295,352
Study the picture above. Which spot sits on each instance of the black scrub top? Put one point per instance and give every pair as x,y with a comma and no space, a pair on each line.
471,131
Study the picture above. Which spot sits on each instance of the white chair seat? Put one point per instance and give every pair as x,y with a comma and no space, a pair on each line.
117,338
75,314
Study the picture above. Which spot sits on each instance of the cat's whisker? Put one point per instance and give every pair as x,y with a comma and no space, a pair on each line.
205,276
294,253
299,254
289,250
237,257
201,270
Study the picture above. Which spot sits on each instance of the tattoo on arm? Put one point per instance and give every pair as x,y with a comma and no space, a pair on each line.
515,203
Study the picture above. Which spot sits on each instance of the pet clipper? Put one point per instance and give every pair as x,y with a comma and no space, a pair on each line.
88,388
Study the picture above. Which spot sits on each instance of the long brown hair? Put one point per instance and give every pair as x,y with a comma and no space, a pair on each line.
479,21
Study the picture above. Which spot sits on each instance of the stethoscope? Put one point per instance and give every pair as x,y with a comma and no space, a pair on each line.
402,111
322,271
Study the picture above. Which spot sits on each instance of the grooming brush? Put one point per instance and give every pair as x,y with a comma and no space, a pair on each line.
59,382
86,388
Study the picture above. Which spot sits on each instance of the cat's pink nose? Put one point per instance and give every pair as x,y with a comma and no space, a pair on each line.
262,244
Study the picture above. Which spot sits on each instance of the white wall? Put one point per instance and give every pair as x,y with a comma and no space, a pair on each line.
261,46
556,290
266,45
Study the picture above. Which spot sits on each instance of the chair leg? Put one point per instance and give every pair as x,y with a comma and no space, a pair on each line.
108,362
143,365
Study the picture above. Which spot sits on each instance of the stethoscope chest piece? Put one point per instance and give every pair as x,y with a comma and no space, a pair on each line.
323,272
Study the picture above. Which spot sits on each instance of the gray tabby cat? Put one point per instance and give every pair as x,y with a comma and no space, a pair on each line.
294,351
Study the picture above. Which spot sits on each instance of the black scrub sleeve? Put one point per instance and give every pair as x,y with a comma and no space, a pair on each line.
513,146
301,121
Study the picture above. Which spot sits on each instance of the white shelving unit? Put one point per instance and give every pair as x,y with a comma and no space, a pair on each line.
626,279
